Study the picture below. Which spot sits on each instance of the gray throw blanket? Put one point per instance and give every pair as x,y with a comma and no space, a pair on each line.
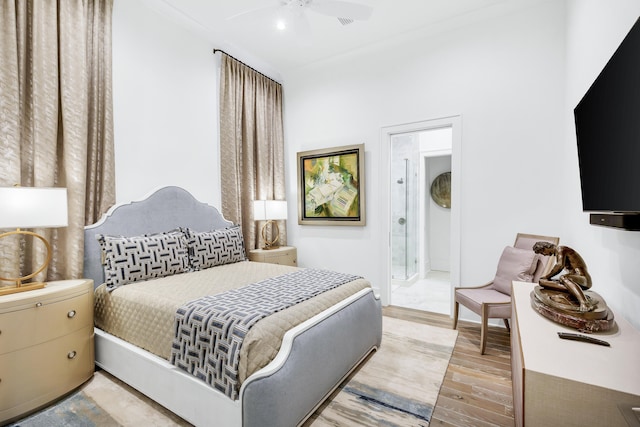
209,331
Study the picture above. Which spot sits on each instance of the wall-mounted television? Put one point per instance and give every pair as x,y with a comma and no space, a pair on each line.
608,136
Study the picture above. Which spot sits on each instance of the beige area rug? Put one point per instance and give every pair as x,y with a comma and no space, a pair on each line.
398,385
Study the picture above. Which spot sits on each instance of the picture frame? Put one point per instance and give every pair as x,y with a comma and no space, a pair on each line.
331,186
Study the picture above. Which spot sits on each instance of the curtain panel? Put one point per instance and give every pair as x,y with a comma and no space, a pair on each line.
56,121
251,146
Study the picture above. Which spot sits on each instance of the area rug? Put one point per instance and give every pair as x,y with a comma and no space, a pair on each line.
398,385
76,410
103,401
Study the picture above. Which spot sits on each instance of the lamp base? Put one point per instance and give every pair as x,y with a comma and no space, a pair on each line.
273,243
6,290
267,248
18,286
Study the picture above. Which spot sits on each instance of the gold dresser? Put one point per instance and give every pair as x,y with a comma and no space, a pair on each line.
46,345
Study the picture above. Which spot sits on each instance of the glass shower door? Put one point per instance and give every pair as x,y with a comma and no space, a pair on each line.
403,208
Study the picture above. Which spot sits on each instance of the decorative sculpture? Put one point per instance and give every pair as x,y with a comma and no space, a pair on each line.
574,281
567,298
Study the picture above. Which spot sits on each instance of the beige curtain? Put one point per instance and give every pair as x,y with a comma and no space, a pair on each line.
251,146
56,123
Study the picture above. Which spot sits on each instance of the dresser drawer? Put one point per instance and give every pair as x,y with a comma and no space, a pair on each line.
34,376
284,255
285,258
44,320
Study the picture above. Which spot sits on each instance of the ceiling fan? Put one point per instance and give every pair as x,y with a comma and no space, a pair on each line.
293,13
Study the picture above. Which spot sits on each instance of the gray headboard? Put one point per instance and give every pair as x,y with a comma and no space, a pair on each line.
164,210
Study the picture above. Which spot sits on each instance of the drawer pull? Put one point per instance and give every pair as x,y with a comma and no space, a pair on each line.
71,314
38,304
72,354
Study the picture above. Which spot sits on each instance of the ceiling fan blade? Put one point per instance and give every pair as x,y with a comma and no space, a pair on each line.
341,9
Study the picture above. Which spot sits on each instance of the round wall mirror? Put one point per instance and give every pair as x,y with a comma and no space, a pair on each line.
441,190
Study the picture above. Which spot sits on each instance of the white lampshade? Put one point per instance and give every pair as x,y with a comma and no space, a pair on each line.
269,209
30,207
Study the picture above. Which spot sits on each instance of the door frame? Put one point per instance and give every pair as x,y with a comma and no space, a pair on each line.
386,134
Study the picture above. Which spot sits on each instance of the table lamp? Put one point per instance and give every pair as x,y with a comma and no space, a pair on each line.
30,207
270,211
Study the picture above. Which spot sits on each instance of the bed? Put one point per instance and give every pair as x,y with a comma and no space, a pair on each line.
314,355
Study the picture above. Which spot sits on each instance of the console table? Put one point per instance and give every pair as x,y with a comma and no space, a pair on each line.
569,383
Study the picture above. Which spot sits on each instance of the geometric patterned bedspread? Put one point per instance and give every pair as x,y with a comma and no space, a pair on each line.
209,331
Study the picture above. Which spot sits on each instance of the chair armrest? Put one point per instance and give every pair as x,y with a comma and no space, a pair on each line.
486,285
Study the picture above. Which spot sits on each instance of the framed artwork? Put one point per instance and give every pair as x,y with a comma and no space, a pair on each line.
331,186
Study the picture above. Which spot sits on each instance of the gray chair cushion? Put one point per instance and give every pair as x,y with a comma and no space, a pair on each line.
515,264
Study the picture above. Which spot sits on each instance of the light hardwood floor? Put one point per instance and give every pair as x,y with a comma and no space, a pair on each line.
477,389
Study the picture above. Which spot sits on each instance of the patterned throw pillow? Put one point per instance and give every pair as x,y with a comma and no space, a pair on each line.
217,247
132,259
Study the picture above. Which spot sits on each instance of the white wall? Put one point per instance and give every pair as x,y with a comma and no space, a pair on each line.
434,144
505,77
165,106
594,31
438,218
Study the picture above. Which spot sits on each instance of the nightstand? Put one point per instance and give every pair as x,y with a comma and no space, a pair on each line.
285,255
46,345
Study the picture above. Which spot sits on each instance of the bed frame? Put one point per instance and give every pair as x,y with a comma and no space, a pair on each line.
313,360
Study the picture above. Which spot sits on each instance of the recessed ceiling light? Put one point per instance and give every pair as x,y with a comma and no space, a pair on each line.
281,25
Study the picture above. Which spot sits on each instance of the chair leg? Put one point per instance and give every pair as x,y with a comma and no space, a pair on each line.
506,324
483,330
456,307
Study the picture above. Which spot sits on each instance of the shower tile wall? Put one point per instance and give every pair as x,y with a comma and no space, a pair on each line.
404,227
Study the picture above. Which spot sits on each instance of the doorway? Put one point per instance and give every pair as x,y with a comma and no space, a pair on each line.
423,252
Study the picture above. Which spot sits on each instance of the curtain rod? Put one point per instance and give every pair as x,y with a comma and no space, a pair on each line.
246,65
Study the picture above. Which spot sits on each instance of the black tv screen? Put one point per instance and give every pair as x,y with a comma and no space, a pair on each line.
608,133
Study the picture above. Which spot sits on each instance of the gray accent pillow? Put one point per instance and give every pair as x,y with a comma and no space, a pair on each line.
515,264
132,259
217,247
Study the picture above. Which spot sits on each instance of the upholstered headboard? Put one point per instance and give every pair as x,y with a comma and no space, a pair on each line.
164,210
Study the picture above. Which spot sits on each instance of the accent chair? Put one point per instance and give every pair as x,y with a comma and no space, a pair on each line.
493,299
